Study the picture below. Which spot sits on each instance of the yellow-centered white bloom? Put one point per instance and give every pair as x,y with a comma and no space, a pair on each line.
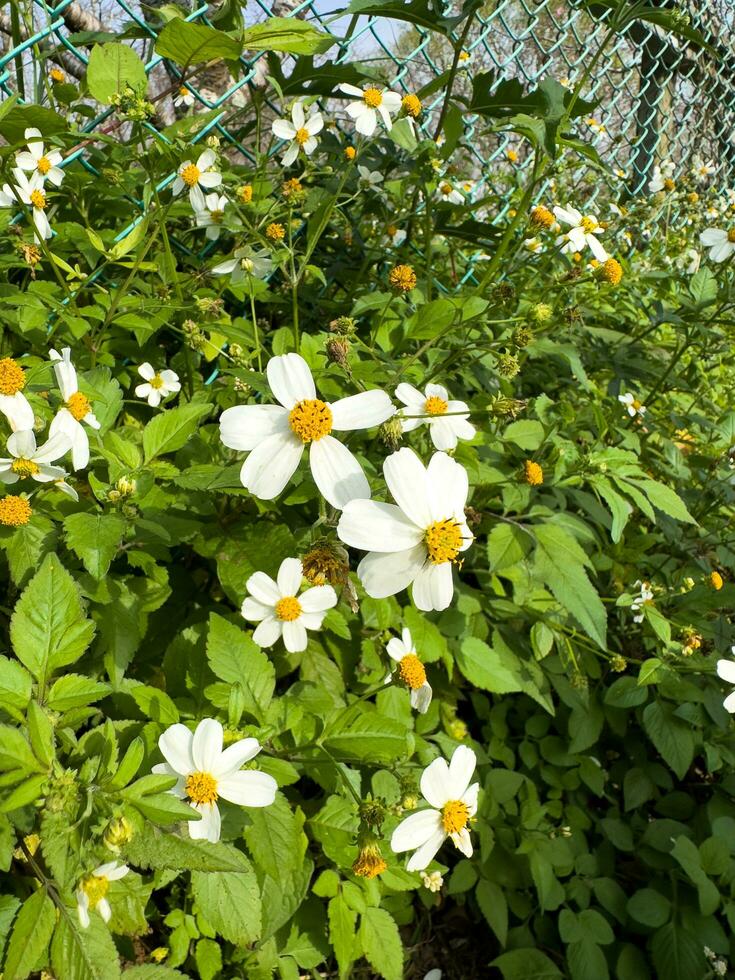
582,233
206,772
29,192
280,611
721,243
185,98
411,670
446,191
37,160
75,410
447,419
726,670
28,460
661,179
633,406
299,132
702,169
370,103
644,598
197,178
158,384
211,215
453,802
276,436
92,891
417,540
13,403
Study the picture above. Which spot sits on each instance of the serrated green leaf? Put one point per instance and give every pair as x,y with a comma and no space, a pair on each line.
230,902
95,538
171,428
191,44
381,943
113,67
30,936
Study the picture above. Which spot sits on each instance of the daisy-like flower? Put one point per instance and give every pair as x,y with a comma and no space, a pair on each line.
371,179
453,802
395,237
644,598
158,384
449,193
37,161
205,773
198,177
726,670
661,179
701,170
632,405
211,215
280,611
92,891
416,540
275,436
13,403
372,101
30,192
76,409
721,244
245,264
582,232
28,460
411,671
435,409
185,98
299,132
533,244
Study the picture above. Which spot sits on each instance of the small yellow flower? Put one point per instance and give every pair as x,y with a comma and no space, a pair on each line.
292,187
275,231
715,580
512,155
532,473
402,278
14,511
57,76
610,271
412,105
669,184
541,217
159,954
350,153
693,197
245,193
370,862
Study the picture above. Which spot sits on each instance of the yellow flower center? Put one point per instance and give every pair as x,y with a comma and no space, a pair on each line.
533,473
716,581
434,405
245,193
78,405
12,376
731,235
57,75
201,787
275,231
402,277
412,671
247,265
302,135
412,104
43,165
445,189
350,152
669,184
310,419
190,174
38,200
369,862
156,381
216,217
589,225
24,467
372,97
95,889
455,816
636,404
183,90
288,609
443,541
14,511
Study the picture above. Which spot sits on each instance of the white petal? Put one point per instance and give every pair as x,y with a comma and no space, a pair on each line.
235,756
66,376
83,908
415,830
283,129
263,588
442,434
719,253
406,477
17,410
208,828
268,632
375,526
448,486
65,423
597,249
337,473
255,611
318,599
175,746
118,872
436,784
425,854
290,155
726,670
397,649
421,698
289,576
244,426
366,122
206,159
729,703
350,90
54,447
48,474
383,575
713,236
206,746
294,636
361,411
22,444
433,587
290,379
463,841
146,371
103,907
248,788
461,769
271,465
410,396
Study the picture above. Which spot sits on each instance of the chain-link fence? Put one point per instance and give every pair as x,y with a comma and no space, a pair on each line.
659,98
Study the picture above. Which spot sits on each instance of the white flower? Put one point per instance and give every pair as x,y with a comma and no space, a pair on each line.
75,411
30,192
280,611
644,598
433,881
196,176
453,801
246,263
439,412
411,670
633,406
275,436
701,170
36,161
533,244
28,461
449,193
66,488
299,132
721,244
13,403
205,773
371,179
726,670
210,217
661,178
395,237
417,540
158,384
372,101
582,232
433,975
92,891
185,98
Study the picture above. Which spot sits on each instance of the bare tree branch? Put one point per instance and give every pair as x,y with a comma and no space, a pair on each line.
67,61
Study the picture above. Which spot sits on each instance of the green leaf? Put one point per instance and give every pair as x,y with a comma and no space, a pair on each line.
686,853
30,937
15,686
507,544
41,734
342,922
230,902
234,658
286,34
191,44
488,668
48,628
74,690
649,907
170,429
26,546
167,852
663,498
84,954
703,287
21,117
677,954
361,733
526,964
111,68
96,539
494,906
527,433
671,736
381,943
